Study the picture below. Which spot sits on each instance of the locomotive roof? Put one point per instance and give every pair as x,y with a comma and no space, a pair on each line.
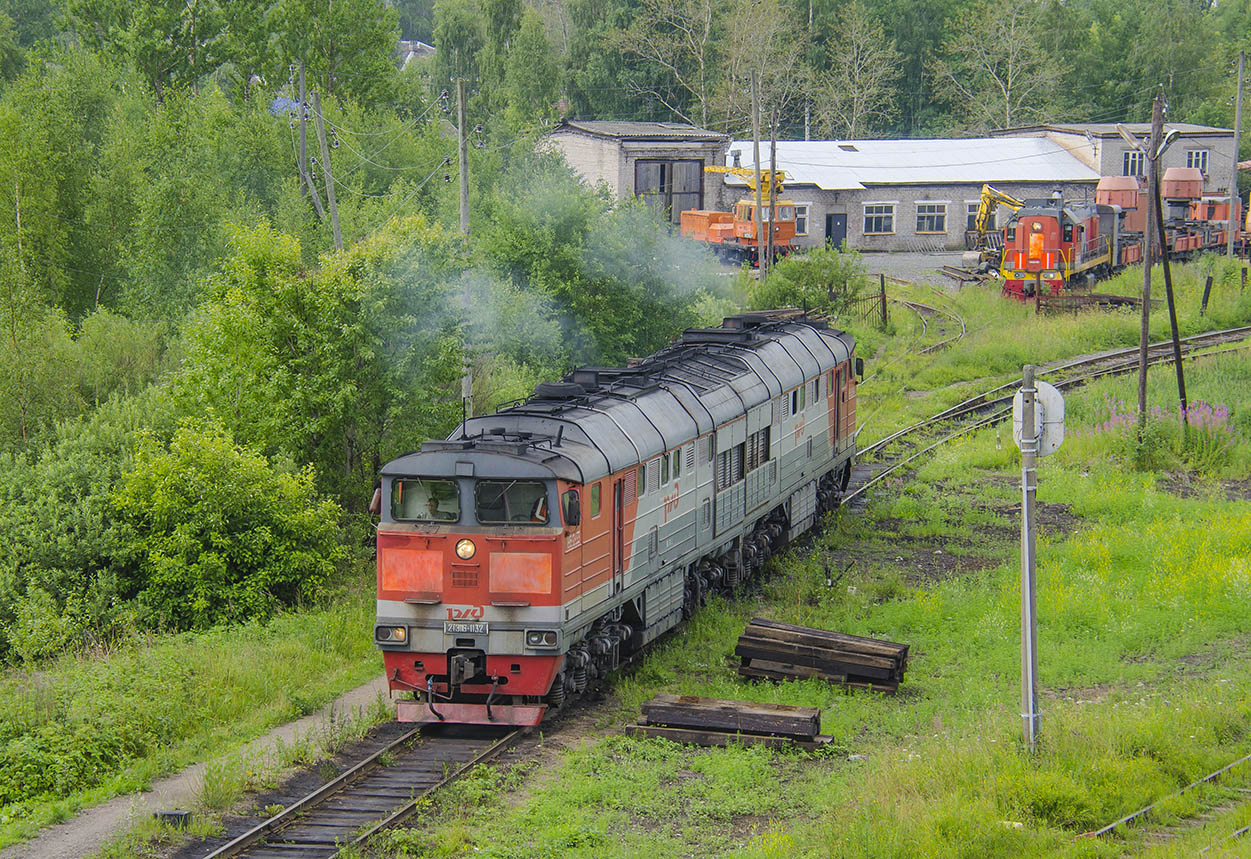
601,420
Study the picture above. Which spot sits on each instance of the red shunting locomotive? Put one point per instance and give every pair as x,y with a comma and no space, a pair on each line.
1050,245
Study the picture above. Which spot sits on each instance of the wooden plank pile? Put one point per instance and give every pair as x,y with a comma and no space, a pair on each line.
779,651
714,722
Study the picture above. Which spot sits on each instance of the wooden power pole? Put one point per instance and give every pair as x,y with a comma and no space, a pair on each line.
1233,174
462,154
462,157
773,190
306,180
325,167
1153,178
755,140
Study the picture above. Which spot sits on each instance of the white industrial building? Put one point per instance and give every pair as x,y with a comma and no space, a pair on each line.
915,194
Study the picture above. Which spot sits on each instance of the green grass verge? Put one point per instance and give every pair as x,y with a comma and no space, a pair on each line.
1144,581
1003,335
108,724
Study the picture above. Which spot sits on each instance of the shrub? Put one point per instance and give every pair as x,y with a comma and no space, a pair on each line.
826,278
1204,446
209,532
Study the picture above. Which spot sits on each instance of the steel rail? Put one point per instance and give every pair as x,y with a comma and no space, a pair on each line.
305,809
981,404
918,308
1129,818
330,788
981,401
402,814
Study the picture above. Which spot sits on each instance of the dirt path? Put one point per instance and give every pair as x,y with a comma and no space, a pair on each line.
88,832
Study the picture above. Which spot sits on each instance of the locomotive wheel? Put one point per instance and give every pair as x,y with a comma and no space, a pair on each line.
556,697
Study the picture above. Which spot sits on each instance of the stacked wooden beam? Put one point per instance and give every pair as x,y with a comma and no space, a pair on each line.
779,651
714,722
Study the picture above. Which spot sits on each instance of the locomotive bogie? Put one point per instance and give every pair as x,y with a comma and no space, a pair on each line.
567,532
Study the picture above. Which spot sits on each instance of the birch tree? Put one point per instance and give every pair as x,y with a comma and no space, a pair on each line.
679,37
995,71
856,95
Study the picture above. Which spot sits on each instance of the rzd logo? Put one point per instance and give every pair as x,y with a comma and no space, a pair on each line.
465,612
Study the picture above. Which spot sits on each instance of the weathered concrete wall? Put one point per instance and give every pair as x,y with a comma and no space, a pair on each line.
595,159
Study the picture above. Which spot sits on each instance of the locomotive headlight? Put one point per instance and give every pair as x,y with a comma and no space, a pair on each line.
391,634
465,549
541,638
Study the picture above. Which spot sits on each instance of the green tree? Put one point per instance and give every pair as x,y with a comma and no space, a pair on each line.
12,58
857,93
208,532
994,71
169,42
348,46
827,279
459,35
532,75
626,285
342,367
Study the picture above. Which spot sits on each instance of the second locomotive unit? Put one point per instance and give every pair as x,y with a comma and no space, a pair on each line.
532,550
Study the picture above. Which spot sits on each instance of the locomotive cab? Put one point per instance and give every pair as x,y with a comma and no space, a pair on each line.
469,574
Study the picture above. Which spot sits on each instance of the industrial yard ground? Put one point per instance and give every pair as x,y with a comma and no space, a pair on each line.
1143,583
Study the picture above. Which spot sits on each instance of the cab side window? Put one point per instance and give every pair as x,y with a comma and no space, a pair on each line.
571,507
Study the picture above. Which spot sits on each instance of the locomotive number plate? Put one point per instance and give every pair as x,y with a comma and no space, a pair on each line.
460,627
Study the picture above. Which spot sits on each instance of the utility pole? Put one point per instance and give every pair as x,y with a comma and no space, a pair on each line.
755,141
1233,173
808,100
1172,309
325,166
462,153
306,180
462,157
1153,181
773,190
1029,622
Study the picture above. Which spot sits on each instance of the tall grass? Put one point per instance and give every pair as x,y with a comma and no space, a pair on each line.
87,727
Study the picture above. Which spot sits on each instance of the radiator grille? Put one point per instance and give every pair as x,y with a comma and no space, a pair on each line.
464,577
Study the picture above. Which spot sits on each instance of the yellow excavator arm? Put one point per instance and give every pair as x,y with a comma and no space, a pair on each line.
992,199
767,178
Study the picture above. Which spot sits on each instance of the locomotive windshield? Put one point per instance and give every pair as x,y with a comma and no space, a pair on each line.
415,499
512,501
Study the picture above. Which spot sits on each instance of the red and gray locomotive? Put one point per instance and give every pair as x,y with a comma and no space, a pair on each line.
532,550
1050,245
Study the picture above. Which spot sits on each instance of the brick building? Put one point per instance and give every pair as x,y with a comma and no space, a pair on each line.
662,162
915,194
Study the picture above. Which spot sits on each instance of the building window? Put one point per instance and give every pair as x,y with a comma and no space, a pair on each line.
671,187
971,208
1132,165
1197,158
801,220
931,217
879,218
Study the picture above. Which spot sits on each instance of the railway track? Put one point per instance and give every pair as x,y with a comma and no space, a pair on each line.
381,791
995,405
924,313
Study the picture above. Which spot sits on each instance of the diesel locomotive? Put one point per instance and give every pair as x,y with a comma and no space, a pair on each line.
1052,245
535,548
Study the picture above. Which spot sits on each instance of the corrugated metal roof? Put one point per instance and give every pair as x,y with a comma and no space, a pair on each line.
1108,129
839,165
641,130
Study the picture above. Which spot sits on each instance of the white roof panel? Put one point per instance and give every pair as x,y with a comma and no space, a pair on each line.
837,165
